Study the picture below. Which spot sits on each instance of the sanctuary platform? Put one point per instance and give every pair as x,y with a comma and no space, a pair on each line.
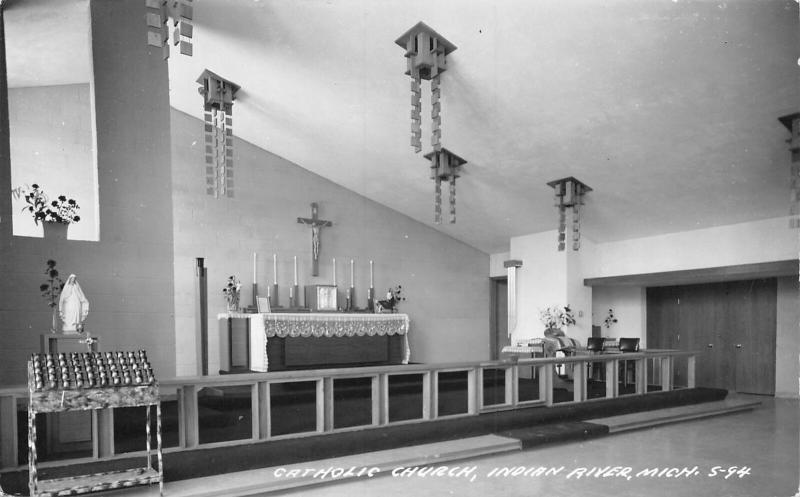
224,423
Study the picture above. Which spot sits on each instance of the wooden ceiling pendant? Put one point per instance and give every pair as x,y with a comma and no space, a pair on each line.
569,194
218,96
426,55
158,15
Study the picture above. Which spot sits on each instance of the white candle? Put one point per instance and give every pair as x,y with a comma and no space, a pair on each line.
351,274
371,283
254,268
334,271
295,270
274,269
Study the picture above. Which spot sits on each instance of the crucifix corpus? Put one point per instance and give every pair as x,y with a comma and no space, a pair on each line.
316,224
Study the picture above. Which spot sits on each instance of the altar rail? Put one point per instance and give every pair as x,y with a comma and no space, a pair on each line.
381,396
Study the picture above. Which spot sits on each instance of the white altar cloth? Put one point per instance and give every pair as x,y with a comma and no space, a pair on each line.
306,324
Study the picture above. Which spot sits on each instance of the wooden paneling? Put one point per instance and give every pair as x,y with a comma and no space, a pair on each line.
731,324
754,348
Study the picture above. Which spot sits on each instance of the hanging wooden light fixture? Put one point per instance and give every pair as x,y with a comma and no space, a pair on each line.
218,96
426,53
445,166
158,15
569,194
792,123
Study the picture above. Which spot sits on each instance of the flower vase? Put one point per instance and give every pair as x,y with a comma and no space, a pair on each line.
233,304
553,332
55,231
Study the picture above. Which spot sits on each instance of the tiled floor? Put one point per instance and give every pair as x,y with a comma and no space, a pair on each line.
765,440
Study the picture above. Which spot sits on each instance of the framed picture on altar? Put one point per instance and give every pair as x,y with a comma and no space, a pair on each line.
263,304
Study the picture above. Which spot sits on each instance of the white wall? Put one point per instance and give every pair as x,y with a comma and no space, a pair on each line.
745,243
444,281
544,280
551,277
629,307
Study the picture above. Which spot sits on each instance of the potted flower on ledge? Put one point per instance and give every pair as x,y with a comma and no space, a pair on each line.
55,215
555,318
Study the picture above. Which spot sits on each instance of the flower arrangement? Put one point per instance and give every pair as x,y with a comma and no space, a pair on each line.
393,298
231,292
610,319
556,316
62,210
51,289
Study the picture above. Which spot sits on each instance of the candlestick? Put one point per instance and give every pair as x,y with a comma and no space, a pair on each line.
334,271
255,266
371,283
351,274
295,270
274,269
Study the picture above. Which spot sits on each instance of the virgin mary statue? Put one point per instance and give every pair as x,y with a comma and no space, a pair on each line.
72,306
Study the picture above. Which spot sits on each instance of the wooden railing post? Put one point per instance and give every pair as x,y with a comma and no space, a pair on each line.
428,395
512,385
380,409
666,373
264,406
640,372
612,378
103,432
325,404
690,371
8,431
474,391
546,383
578,381
189,422
255,411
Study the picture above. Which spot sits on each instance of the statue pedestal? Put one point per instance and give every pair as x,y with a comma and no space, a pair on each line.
49,342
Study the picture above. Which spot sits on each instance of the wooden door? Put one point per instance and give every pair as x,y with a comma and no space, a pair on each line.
663,329
754,344
498,334
704,320
730,324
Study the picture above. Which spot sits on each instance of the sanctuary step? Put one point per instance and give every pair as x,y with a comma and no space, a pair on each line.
334,470
277,479
638,420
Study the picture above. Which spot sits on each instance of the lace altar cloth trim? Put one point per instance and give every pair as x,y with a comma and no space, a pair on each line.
293,325
334,325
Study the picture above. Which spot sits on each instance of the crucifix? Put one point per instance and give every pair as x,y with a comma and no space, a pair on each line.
316,224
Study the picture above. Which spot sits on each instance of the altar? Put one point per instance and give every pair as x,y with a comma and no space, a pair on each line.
281,341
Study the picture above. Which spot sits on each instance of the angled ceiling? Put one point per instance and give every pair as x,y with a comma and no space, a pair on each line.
667,108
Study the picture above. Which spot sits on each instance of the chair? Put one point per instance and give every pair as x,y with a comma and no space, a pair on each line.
628,345
596,345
